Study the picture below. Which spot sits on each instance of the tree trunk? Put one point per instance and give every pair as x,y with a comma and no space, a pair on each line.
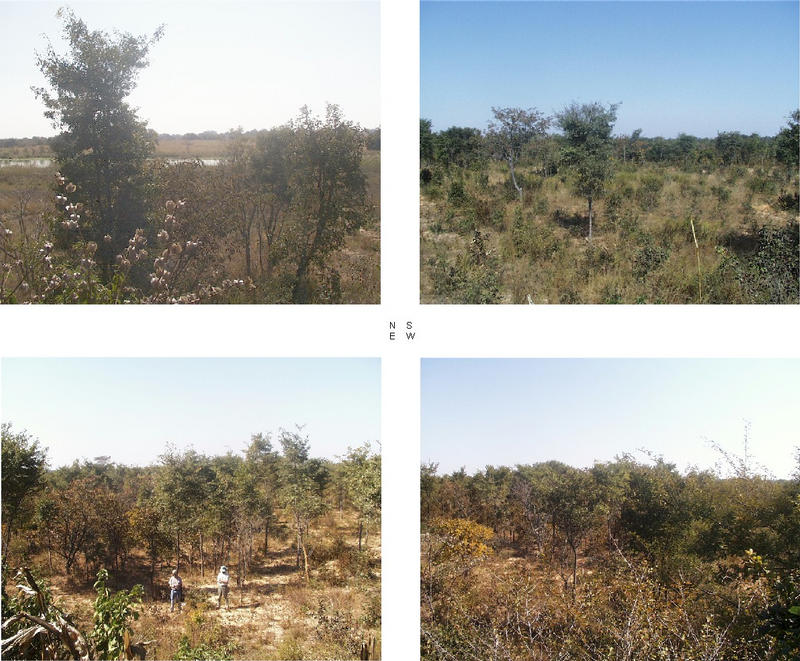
360,528
574,569
300,292
260,251
590,219
305,558
202,557
247,252
514,178
6,539
299,541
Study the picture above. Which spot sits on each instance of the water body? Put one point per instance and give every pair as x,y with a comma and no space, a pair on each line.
48,162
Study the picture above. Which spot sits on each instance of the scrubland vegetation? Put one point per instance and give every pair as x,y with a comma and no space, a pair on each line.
558,210
285,215
625,560
88,550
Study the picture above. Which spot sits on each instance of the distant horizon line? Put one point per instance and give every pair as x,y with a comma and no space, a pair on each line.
219,134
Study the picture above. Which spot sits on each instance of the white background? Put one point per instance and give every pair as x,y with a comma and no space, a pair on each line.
441,331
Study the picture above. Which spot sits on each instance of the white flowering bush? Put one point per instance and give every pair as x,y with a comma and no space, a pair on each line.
57,263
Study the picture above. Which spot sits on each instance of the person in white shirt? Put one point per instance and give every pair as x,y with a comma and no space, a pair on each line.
175,591
222,586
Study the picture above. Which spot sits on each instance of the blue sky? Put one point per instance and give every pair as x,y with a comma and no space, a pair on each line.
693,67
478,412
131,408
219,65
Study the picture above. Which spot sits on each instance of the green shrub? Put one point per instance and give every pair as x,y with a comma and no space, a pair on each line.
456,195
498,219
111,616
473,277
721,193
649,192
534,241
788,201
770,272
613,208
735,173
648,257
541,205
466,223
760,184
205,651
596,258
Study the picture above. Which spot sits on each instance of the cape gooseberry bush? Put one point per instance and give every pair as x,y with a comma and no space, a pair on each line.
58,264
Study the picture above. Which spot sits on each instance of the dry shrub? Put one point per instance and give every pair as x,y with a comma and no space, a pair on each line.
620,611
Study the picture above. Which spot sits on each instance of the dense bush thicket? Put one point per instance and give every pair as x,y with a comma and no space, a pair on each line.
587,217
188,509
195,513
621,561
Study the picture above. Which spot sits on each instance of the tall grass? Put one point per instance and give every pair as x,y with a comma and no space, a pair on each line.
643,248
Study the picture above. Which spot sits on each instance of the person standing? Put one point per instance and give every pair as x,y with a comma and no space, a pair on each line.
175,591
222,586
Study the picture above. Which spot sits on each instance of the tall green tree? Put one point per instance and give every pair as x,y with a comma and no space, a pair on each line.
731,147
459,145
71,520
787,143
303,482
330,189
23,467
264,461
587,128
425,141
362,474
182,488
270,162
103,145
147,523
511,130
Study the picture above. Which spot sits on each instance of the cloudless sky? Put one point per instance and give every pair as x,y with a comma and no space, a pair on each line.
219,65
131,408
692,67
479,412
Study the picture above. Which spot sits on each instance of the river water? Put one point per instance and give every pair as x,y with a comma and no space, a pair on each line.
48,162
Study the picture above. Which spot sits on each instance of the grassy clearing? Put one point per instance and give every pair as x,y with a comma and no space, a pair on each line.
480,245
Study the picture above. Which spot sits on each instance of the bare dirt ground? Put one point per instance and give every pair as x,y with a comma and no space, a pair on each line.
275,615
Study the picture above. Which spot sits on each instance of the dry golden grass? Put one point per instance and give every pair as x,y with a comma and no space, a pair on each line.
641,252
